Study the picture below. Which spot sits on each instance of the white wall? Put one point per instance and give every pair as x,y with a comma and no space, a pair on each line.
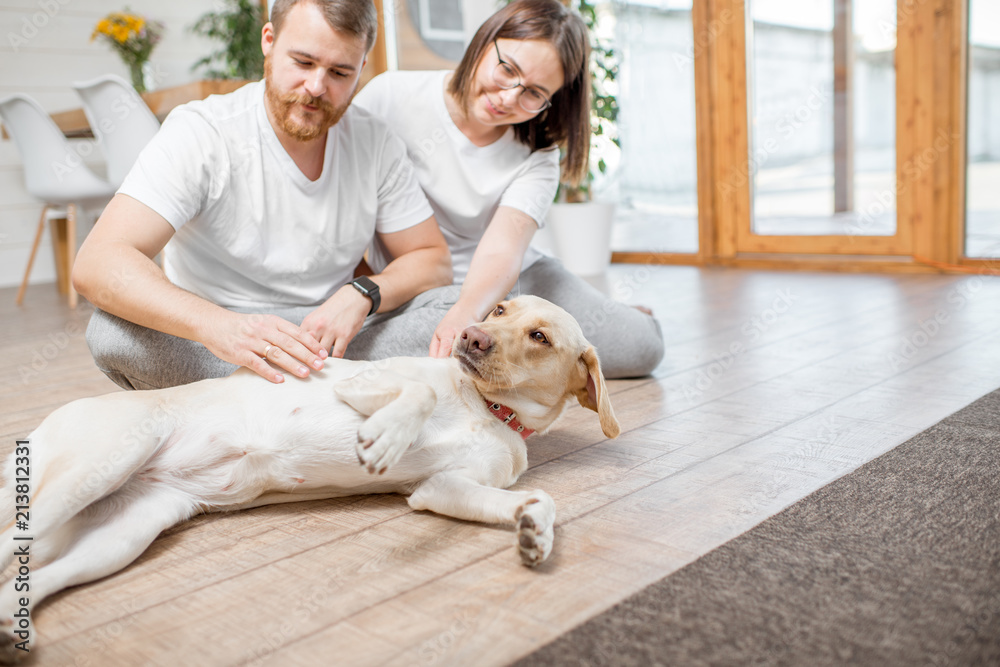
45,46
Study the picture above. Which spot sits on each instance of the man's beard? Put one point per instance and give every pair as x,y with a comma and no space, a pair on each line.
281,107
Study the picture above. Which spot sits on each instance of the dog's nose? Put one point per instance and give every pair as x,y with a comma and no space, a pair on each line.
475,341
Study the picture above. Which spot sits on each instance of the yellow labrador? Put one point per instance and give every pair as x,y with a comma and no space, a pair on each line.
108,474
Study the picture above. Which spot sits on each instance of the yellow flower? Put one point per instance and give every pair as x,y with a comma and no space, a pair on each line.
102,28
130,35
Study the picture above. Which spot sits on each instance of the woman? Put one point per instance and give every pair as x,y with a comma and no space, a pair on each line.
485,142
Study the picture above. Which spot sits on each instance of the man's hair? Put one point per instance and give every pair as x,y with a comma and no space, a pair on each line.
567,121
354,17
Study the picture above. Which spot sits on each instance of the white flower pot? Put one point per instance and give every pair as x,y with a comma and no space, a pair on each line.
581,235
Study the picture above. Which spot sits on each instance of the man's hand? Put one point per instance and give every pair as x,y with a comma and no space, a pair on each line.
246,340
335,323
455,321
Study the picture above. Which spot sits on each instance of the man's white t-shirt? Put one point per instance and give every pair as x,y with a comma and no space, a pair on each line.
465,183
251,229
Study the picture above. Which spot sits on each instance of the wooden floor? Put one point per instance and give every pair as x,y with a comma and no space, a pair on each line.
773,385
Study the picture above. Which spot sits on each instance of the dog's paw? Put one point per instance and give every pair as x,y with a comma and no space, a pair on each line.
382,442
535,520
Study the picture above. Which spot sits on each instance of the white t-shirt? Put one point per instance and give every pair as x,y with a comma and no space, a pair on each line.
251,229
465,183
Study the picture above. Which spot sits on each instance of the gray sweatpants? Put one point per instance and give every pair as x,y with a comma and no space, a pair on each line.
628,342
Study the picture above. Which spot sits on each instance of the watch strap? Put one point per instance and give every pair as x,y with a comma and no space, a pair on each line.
369,288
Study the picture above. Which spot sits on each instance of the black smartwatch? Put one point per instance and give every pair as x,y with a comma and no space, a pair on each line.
369,288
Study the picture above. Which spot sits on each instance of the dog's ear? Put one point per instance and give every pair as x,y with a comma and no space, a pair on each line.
595,396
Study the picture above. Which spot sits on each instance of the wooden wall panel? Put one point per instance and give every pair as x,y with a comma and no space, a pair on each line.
729,99
931,126
414,54
916,143
377,60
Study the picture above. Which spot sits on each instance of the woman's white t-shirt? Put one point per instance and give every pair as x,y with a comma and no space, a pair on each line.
251,229
465,183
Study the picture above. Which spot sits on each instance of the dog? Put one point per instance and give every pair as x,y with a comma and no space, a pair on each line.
106,475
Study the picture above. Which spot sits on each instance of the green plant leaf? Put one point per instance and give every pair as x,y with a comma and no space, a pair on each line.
238,27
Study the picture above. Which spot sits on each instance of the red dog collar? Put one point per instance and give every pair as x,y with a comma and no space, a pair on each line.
507,416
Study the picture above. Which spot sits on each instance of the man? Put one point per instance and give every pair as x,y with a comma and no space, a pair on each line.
269,197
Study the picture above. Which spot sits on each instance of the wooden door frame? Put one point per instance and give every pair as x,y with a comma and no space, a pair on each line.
931,66
747,242
377,61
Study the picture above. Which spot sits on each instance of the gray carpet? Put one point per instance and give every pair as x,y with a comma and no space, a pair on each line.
897,563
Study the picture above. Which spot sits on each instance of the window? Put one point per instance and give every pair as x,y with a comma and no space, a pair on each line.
982,209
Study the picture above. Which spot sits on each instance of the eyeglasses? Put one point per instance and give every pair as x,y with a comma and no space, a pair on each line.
505,76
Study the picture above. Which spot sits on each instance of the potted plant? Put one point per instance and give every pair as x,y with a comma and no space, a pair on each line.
579,227
603,105
134,38
238,27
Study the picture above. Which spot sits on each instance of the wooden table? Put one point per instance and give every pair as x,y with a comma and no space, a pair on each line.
74,124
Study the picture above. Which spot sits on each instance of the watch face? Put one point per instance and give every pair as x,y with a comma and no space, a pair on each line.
365,284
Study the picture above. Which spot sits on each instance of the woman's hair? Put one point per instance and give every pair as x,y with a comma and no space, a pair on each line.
355,17
567,121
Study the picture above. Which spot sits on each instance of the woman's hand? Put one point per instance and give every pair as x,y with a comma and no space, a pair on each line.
455,321
493,272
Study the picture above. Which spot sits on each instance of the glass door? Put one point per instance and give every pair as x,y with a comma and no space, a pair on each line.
821,94
657,175
982,206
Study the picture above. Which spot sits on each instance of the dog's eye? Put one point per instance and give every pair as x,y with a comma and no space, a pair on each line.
539,337
498,311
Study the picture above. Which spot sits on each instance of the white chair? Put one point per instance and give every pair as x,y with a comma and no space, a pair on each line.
120,119
56,175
